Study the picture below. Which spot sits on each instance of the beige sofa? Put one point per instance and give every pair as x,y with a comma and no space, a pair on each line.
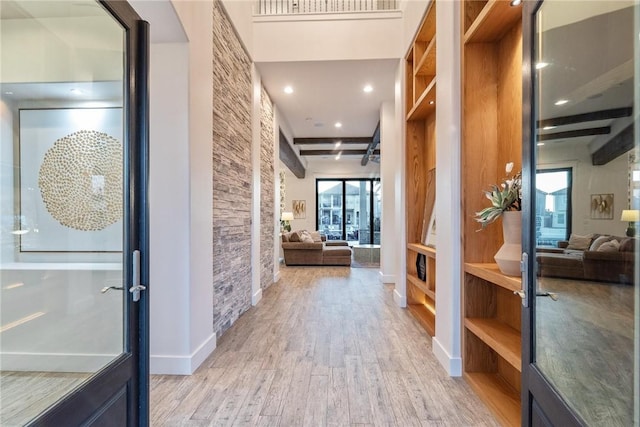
311,248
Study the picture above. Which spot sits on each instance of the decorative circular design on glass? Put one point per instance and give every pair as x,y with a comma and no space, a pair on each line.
80,180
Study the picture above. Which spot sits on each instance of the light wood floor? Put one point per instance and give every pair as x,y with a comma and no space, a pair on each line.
325,347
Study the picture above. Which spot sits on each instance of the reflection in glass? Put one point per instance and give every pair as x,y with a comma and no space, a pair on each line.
586,115
61,125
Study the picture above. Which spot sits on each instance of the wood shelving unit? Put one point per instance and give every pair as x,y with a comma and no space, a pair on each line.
492,136
420,160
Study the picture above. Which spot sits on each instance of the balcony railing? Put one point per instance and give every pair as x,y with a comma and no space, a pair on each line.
281,7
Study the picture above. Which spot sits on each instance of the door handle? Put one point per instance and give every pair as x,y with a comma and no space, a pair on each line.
107,288
136,287
524,269
551,295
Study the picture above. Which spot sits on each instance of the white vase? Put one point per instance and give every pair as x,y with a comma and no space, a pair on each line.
508,256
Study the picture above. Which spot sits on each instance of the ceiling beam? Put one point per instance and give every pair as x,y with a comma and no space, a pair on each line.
335,152
619,144
289,157
575,133
613,113
372,146
346,140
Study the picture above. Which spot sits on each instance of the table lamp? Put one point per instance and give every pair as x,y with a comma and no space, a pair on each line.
285,218
631,216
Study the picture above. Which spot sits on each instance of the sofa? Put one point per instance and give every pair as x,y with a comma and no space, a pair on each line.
302,247
595,257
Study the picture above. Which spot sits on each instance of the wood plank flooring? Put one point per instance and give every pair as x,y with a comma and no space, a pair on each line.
326,346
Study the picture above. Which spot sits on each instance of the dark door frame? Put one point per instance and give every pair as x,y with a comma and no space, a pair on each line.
127,377
541,404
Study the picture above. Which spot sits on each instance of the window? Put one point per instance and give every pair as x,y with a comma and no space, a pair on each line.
349,209
553,206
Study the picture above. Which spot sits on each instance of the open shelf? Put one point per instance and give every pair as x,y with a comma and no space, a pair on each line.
491,273
498,395
422,249
502,338
426,66
426,315
415,281
425,104
493,22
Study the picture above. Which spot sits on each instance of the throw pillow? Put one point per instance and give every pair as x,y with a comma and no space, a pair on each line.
315,235
578,242
306,238
294,236
598,242
627,244
610,246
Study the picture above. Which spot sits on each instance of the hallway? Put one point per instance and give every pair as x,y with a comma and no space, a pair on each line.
326,346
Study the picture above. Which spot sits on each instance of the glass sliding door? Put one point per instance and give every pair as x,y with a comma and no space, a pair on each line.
349,209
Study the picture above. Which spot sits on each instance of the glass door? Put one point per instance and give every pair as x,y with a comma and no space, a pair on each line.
580,323
73,327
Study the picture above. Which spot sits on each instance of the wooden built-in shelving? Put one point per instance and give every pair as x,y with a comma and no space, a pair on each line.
492,137
420,72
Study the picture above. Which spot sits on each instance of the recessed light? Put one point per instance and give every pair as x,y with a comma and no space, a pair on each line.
338,125
561,101
432,102
288,89
540,65
368,88
515,2
338,144
540,144
549,127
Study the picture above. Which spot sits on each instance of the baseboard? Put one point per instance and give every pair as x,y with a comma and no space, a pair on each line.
255,298
54,362
183,365
276,277
387,278
401,300
453,365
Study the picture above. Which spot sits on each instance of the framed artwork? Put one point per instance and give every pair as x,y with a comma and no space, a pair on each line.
299,209
71,180
431,234
601,206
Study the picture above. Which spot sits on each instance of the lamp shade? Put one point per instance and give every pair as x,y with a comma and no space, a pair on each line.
287,216
630,216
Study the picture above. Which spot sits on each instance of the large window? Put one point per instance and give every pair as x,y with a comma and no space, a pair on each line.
553,206
349,209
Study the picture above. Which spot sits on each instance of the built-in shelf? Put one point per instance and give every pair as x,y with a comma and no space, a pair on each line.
426,315
422,249
502,338
425,104
415,281
491,273
499,396
426,66
495,19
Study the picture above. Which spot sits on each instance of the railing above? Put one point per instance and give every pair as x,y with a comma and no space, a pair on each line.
282,7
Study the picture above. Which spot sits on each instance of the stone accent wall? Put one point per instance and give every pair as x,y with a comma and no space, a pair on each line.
231,151
267,190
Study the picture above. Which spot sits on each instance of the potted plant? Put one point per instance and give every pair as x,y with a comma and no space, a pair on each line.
506,202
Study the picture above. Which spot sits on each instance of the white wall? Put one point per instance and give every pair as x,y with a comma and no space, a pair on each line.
7,213
447,341
181,288
296,38
611,178
412,12
389,163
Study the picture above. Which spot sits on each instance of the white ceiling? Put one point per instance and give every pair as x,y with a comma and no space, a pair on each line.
326,92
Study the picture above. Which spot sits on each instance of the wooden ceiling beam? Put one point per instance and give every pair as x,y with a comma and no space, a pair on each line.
335,152
345,140
575,133
290,158
616,146
372,146
613,113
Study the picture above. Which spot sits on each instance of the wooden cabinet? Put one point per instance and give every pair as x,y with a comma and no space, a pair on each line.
420,165
492,136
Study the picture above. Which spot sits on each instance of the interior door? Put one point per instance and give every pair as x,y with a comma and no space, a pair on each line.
73,253
580,321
